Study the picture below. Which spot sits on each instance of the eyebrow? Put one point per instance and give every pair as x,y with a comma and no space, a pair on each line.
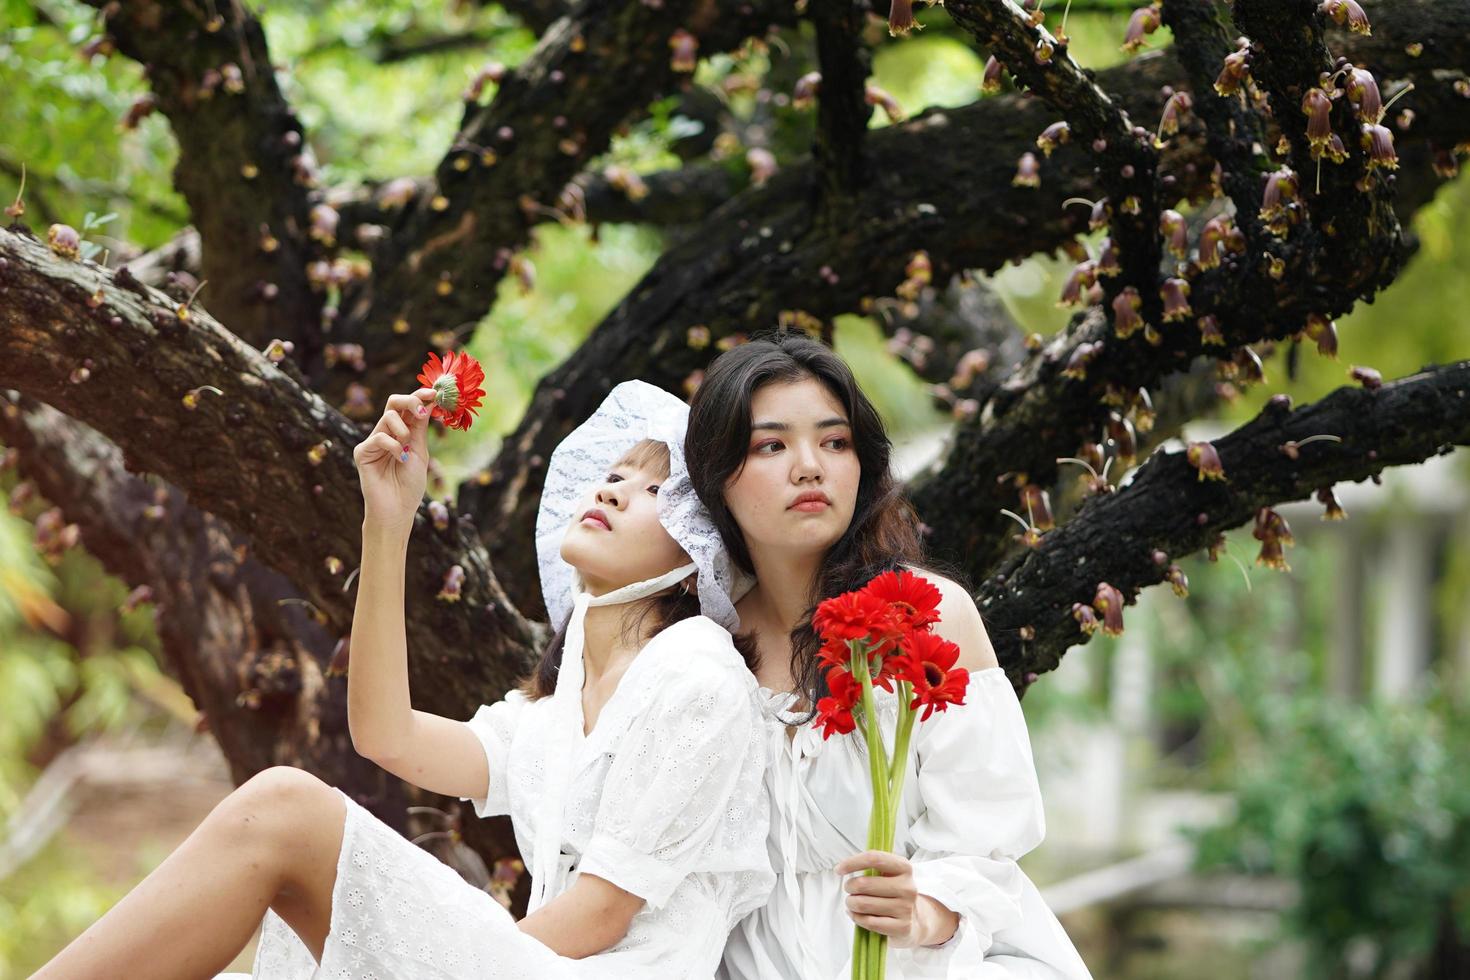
783,427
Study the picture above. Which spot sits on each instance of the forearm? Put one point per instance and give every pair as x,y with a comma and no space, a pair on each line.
590,917
379,713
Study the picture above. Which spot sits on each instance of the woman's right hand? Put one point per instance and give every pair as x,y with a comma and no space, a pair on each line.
393,461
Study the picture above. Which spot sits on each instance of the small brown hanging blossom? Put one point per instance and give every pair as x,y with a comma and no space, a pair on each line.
1108,602
1175,231
1144,21
1274,534
1028,171
1206,459
1175,294
453,584
1278,203
1209,330
684,49
1090,458
64,241
762,163
1082,355
1177,580
1212,239
1317,105
804,94
1366,376
1054,136
1362,92
1235,72
901,18
1122,437
1328,499
1083,278
1377,142
990,80
1350,13
918,273
1086,617
1107,259
1126,319
873,95
1324,332
1179,103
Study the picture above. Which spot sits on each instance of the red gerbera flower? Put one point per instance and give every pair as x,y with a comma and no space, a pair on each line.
928,662
851,616
456,383
834,713
911,598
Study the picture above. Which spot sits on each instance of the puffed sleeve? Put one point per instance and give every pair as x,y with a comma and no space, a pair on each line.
982,808
495,725
685,791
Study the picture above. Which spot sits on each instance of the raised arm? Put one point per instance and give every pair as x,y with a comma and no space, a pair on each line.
439,754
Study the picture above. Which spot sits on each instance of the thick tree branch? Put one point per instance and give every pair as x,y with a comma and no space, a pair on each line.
1126,161
742,268
243,165
233,631
438,268
842,106
260,452
1168,508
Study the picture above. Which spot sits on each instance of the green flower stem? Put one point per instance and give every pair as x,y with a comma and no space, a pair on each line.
875,952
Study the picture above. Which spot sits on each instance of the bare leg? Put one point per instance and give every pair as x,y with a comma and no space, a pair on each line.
273,842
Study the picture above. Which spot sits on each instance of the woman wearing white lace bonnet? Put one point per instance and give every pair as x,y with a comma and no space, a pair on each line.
645,836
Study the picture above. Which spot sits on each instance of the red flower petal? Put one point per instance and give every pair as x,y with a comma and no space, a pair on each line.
928,663
456,382
912,598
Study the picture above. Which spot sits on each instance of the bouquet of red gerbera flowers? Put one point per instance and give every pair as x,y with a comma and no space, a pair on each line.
882,635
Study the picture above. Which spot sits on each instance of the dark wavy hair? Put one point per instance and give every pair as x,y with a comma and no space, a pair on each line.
884,533
664,609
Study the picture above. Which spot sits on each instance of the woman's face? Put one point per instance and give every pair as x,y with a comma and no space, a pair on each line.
615,538
797,489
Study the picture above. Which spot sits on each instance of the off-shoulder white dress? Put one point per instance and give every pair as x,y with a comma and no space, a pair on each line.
971,806
665,800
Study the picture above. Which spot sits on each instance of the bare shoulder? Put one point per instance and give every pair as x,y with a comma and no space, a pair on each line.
960,623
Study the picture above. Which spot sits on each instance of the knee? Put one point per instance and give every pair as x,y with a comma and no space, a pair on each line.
279,803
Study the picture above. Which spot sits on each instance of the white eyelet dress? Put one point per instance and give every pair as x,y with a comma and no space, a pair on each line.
971,807
666,800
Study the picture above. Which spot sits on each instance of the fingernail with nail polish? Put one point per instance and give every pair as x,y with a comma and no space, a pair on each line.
423,410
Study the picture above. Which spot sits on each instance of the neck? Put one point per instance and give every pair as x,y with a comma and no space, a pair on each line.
786,585
603,644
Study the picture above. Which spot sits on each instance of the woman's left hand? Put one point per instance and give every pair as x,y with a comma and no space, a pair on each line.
889,902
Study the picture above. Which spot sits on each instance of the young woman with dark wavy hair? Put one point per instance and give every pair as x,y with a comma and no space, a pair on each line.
792,462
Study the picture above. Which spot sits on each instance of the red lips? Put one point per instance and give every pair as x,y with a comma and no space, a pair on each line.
597,515
809,497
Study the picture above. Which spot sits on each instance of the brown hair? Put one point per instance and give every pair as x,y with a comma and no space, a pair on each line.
664,609
884,532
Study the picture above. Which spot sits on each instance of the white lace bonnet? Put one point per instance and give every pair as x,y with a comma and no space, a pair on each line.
632,412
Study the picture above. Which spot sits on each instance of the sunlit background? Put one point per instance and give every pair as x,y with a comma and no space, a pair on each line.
1266,778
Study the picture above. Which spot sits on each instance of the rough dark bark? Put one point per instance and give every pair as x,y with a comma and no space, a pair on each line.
244,167
509,163
233,631
265,455
1168,507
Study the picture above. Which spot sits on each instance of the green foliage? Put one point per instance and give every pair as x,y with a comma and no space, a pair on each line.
1367,809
